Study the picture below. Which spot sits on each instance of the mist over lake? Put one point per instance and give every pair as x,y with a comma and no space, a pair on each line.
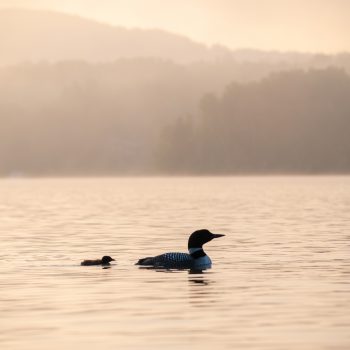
153,102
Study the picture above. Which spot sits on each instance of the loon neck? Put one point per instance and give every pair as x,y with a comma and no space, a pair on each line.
196,252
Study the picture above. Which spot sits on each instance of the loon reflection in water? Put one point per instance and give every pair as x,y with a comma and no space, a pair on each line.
195,260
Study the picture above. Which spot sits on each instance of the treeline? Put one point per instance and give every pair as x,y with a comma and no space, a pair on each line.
149,116
290,122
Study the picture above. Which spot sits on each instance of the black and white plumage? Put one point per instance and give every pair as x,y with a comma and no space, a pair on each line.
196,258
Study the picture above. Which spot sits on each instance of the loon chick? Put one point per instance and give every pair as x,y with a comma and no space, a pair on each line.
104,261
196,259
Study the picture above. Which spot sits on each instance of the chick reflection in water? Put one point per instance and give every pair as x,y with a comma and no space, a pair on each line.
195,259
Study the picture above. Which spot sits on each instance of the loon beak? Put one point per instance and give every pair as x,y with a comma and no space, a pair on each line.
217,235
113,259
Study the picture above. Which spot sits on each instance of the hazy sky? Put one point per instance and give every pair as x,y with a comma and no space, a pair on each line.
303,25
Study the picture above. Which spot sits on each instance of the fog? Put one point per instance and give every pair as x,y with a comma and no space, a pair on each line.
80,97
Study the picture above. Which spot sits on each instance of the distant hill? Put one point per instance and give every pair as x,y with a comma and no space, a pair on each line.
35,36
27,35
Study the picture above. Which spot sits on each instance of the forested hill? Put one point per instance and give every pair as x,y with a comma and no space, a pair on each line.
290,122
141,116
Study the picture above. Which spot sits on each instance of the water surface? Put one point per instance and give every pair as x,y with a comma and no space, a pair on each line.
280,277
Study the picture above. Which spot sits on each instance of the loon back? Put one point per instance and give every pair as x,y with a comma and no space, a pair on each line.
177,261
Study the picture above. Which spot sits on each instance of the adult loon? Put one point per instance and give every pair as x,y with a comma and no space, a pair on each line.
195,260
104,261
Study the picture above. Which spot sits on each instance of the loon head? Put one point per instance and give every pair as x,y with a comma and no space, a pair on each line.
107,259
200,237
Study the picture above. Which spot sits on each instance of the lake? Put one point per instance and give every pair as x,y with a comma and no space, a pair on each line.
280,277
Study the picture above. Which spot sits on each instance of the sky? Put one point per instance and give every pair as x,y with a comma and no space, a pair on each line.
284,25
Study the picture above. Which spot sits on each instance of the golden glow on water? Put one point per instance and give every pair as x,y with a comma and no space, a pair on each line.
280,277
